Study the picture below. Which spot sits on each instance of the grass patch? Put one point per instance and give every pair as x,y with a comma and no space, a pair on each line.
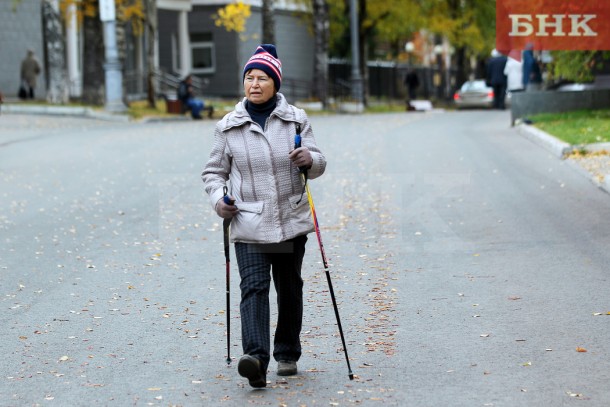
577,127
139,109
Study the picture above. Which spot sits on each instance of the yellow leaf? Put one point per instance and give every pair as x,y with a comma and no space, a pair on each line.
579,349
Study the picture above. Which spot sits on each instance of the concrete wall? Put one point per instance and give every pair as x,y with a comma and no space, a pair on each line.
19,30
524,104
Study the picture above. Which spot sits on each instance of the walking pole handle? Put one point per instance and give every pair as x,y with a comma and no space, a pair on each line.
297,144
226,198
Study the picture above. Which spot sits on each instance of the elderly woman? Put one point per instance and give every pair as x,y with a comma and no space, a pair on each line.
254,149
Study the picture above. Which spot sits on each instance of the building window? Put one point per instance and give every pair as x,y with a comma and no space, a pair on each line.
202,53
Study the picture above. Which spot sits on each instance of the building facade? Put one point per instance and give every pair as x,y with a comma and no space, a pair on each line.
20,29
187,41
218,56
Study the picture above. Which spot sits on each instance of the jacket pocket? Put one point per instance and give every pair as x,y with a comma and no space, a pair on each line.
301,215
247,225
296,201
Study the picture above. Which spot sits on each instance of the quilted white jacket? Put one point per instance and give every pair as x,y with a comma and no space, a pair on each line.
266,185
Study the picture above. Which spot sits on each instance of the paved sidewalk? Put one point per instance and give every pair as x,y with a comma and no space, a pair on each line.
593,160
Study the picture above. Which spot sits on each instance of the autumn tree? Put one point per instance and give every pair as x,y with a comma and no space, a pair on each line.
233,17
577,66
468,25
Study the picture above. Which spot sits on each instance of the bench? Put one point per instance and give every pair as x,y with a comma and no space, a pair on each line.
175,106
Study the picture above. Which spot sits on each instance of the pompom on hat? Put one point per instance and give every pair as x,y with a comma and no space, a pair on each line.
265,58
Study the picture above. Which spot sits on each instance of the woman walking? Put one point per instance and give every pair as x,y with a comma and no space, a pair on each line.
254,151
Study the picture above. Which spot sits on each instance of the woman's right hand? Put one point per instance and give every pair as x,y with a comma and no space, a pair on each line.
224,210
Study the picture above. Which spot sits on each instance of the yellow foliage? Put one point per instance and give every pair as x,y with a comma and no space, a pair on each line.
233,17
126,11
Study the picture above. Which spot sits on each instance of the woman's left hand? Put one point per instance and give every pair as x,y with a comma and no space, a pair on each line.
301,157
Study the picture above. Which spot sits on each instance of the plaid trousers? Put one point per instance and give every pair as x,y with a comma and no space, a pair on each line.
257,264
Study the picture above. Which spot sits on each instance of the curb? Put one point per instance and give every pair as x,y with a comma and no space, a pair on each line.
560,149
65,111
545,140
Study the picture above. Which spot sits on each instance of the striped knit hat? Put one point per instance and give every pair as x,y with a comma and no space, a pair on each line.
265,58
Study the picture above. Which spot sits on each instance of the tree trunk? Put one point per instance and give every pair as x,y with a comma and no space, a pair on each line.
462,69
121,44
55,55
93,61
268,22
362,42
151,26
321,33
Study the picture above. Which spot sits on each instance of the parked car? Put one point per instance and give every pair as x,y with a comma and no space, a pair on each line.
476,93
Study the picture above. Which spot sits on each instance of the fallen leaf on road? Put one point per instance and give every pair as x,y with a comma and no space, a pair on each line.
579,349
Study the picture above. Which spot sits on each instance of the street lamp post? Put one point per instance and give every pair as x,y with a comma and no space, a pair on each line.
112,66
410,47
356,76
438,77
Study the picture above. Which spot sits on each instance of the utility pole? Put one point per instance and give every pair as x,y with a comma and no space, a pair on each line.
112,67
356,78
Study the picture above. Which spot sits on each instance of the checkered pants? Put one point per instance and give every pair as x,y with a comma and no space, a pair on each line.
257,263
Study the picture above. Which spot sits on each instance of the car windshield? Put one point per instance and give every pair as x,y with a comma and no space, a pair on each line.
473,86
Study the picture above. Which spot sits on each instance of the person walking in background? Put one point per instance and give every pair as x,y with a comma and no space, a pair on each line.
496,78
254,150
412,83
532,75
514,72
30,69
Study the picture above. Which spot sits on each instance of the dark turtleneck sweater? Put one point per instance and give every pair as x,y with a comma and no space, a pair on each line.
260,112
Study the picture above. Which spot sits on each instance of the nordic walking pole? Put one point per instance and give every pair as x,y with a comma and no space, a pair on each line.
297,144
225,232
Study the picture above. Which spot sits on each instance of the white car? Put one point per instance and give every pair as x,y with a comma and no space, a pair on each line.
476,93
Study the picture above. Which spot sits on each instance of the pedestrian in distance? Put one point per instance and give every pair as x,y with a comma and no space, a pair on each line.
30,69
532,74
412,83
254,151
186,94
496,78
514,71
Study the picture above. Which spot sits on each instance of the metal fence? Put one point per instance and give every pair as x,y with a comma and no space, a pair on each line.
385,82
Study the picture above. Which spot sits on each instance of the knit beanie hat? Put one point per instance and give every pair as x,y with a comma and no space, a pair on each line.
265,58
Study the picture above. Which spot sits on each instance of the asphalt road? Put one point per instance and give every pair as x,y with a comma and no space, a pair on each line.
471,269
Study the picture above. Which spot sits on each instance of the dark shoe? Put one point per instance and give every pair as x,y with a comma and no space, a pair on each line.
286,368
250,368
